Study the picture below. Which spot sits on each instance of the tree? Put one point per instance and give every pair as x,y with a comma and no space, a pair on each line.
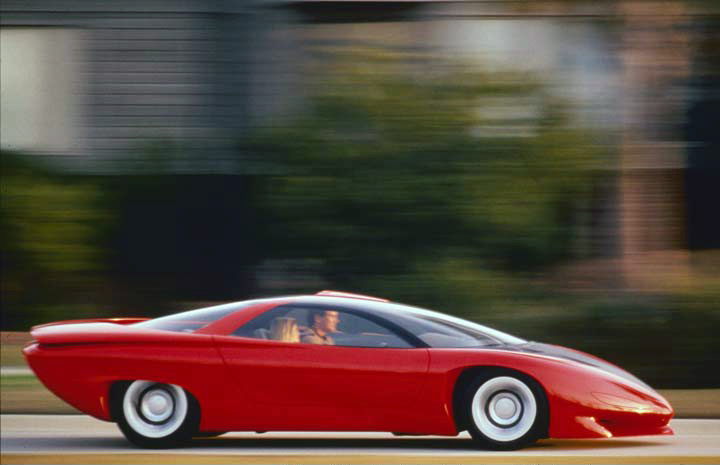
50,226
414,185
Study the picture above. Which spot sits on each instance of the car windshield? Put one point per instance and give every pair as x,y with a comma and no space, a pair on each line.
440,330
191,321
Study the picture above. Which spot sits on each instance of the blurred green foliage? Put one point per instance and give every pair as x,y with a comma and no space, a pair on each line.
51,225
422,186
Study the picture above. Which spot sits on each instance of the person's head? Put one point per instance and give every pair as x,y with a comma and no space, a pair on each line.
284,329
325,321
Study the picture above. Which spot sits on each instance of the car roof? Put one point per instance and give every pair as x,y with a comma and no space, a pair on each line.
249,309
386,308
350,295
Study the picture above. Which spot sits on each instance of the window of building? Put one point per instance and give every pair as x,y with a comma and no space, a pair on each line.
38,87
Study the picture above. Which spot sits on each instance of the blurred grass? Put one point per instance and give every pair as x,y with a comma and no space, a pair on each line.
693,403
25,394
11,356
11,345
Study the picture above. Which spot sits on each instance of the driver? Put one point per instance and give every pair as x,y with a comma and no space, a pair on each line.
322,322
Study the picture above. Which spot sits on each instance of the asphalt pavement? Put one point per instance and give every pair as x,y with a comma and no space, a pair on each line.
81,439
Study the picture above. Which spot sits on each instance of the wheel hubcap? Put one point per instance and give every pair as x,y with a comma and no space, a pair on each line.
157,405
504,408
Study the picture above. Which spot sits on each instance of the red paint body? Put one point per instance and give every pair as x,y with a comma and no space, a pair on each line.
245,384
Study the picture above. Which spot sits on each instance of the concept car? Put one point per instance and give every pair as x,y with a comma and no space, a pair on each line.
348,363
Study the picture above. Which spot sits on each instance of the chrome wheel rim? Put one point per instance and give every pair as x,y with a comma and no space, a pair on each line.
154,410
504,408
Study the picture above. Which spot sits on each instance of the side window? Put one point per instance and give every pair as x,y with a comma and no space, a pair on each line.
356,331
279,324
320,326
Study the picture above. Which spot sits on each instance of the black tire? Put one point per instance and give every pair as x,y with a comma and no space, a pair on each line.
155,415
504,410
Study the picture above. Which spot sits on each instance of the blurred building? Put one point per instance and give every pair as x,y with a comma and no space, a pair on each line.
98,79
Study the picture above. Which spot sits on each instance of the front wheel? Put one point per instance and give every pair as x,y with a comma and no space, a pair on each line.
505,410
156,415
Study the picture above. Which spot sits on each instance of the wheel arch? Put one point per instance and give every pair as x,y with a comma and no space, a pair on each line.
115,392
468,374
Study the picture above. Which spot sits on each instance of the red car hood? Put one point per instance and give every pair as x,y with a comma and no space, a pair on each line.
565,353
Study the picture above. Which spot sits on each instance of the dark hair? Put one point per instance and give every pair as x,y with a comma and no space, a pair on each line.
313,313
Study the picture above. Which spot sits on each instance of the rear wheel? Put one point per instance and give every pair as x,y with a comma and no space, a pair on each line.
505,410
156,415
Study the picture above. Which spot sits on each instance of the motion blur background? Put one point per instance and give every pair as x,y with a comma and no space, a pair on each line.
551,169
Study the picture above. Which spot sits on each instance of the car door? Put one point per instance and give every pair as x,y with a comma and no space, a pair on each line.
370,379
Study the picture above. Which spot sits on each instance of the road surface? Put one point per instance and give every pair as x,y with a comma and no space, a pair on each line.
81,439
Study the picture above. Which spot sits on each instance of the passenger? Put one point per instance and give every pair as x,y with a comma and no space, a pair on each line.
284,329
321,323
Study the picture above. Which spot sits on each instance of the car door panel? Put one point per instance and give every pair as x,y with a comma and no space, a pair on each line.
283,385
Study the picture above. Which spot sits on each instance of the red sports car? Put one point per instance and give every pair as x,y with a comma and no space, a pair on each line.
335,362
